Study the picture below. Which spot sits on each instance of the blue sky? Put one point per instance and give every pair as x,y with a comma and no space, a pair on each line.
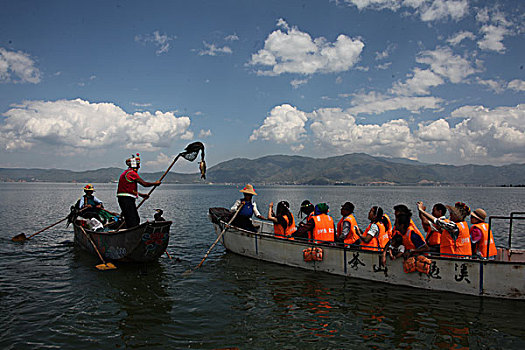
83,85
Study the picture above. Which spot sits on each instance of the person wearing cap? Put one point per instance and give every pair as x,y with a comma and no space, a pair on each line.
90,204
249,208
283,220
479,235
306,210
347,226
158,215
127,191
305,228
455,234
319,226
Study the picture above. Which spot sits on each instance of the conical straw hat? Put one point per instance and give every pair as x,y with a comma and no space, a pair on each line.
248,189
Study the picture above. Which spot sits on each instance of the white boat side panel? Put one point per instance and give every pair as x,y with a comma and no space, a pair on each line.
504,280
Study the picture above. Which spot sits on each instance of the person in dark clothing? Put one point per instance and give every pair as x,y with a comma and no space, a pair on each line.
307,224
243,219
158,215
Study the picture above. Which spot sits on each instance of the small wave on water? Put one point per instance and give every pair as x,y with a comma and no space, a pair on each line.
52,296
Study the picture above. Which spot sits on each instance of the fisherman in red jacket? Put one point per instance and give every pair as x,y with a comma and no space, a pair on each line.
127,191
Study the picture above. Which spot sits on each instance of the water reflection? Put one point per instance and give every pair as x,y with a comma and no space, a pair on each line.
141,294
316,308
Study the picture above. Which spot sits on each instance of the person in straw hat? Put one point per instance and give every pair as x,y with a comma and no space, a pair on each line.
243,219
479,235
91,204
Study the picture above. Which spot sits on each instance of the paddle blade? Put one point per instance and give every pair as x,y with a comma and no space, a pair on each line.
187,273
19,238
106,266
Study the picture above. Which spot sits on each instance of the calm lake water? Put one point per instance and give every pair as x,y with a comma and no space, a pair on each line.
51,295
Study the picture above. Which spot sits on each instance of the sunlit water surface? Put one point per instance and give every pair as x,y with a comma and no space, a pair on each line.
51,295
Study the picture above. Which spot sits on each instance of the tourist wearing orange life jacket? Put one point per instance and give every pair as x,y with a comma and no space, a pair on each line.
433,236
346,227
375,236
283,220
324,227
479,235
455,235
412,239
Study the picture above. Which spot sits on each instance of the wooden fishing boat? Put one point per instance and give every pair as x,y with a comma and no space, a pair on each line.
503,277
143,243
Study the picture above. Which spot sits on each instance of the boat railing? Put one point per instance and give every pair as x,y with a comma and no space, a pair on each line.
516,215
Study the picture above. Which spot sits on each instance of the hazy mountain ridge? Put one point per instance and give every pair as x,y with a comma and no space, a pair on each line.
356,168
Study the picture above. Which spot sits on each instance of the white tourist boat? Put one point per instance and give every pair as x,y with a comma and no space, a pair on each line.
503,277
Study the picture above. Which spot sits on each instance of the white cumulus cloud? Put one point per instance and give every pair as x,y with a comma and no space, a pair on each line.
492,38
293,51
481,135
517,85
17,67
484,135
459,37
285,124
78,125
444,62
338,129
418,84
374,103
495,27
494,85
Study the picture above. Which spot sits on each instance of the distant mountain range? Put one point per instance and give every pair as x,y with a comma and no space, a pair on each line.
350,169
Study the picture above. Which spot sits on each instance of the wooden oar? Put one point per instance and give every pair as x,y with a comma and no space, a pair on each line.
22,237
104,265
160,180
188,272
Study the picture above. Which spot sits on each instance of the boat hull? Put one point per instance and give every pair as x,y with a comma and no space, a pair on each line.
144,243
497,279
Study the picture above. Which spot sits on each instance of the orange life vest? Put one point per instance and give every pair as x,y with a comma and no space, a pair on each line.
409,265
433,237
383,236
280,231
323,228
423,264
313,254
461,246
373,244
352,235
481,245
407,240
